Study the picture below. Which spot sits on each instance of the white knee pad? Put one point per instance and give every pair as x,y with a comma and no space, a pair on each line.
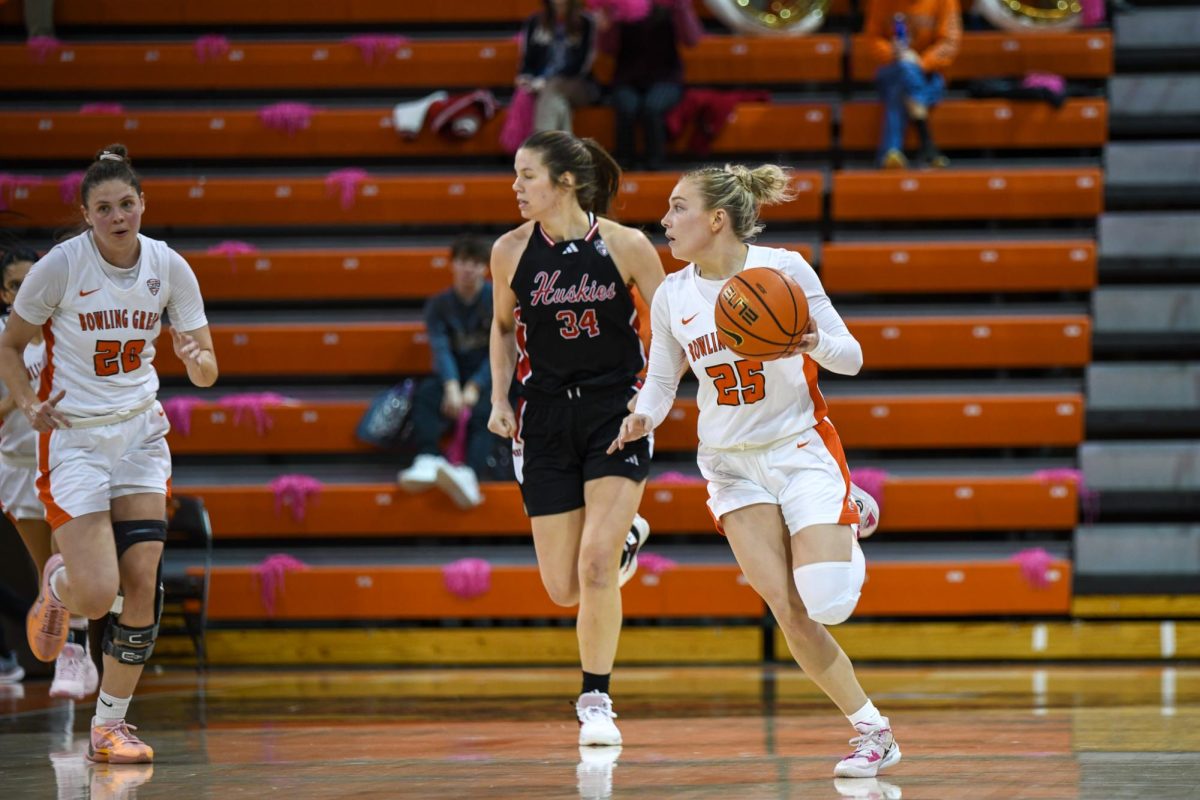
830,589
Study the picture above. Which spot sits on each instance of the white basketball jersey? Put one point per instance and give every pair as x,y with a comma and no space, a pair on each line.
18,439
744,402
100,339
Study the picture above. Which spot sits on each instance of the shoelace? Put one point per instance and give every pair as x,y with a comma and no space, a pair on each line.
871,737
72,668
599,711
119,730
54,615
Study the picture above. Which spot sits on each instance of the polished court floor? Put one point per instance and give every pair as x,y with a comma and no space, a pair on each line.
709,732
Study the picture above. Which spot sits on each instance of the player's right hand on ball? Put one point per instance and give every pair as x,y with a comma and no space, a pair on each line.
633,427
502,421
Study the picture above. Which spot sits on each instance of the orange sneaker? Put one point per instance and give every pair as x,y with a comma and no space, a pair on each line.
47,620
114,743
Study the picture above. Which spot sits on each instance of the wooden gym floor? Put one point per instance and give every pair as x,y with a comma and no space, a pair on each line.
708,732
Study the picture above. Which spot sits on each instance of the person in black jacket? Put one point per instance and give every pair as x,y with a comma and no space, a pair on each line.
558,45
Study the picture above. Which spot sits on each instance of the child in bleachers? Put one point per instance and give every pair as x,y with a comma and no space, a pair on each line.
558,45
458,321
913,41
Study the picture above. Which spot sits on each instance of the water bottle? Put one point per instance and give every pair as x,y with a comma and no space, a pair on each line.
900,32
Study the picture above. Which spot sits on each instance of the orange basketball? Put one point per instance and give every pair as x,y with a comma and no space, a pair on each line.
761,314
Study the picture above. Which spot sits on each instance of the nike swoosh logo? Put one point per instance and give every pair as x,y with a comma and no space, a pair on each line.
802,444
102,700
689,319
85,294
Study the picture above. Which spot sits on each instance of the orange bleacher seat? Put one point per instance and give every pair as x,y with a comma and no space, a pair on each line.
925,504
980,124
934,421
402,273
358,133
373,592
991,54
392,200
963,194
418,64
297,12
943,267
400,348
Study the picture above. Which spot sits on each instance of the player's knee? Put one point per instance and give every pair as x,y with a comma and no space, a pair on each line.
597,569
830,589
562,591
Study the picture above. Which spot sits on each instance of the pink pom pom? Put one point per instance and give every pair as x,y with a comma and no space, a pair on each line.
179,412
42,47
211,47
1045,80
347,182
10,184
376,48
294,491
1035,566
231,249
1089,498
68,187
518,121
102,108
870,481
654,564
289,118
676,478
270,574
468,578
254,406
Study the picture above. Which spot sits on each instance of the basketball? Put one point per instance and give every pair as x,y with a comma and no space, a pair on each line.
761,314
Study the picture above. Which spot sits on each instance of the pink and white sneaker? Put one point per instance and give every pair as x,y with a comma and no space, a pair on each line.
868,510
875,750
75,674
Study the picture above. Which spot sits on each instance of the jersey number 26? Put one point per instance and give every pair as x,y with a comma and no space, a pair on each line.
113,357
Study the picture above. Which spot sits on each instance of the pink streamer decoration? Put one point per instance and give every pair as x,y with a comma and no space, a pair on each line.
9,184
211,47
468,578
253,406
654,564
270,574
674,478
1089,499
68,187
179,412
871,481
102,108
1045,80
623,10
377,48
1094,13
518,121
347,182
231,249
1035,565
456,450
42,47
289,118
294,491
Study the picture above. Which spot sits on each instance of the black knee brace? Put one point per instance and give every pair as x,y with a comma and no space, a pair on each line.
135,645
130,532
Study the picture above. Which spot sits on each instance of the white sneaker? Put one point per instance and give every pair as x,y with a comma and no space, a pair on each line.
639,532
11,670
875,749
74,673
422,474
868,510
595,772
596,726
459,483
867,788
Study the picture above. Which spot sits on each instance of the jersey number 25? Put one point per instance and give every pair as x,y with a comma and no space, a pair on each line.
739,383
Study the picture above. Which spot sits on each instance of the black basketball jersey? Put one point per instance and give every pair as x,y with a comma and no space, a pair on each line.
576,321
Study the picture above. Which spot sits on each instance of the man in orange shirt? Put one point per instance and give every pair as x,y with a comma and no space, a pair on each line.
913,41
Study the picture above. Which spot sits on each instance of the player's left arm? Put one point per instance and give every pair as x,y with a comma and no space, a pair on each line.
190,335
826,339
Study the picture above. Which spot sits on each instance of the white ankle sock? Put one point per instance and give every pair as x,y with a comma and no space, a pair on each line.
109,708
54,578
868,715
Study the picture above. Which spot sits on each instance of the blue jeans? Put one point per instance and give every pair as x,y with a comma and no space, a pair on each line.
898,82
649,107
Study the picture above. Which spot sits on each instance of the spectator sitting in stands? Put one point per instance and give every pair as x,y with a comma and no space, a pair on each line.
558,45
913,41
459,322
648,78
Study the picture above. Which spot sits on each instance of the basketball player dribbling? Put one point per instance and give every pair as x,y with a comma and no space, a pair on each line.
565,320
75,674
778,483
103,463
